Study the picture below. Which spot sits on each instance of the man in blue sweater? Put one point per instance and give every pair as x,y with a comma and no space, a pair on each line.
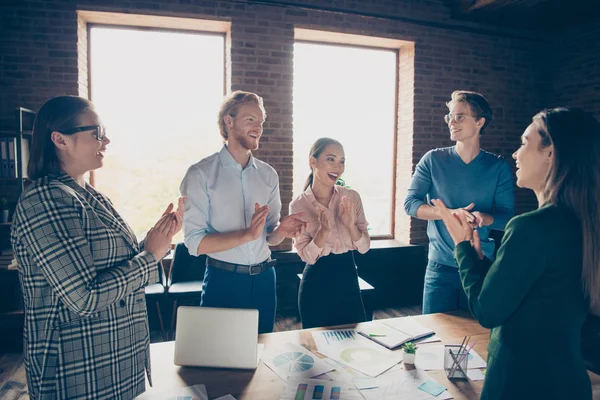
467,179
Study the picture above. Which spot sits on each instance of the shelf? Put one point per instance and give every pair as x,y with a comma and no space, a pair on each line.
11,134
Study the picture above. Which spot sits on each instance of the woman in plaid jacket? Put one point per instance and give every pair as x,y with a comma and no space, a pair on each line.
81,268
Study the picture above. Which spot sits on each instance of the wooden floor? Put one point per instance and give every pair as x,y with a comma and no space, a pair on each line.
13,382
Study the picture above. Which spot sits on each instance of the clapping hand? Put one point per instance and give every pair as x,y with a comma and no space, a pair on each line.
257,225
346,212
177,215
456,222
159,237
292,226
458,226
325,219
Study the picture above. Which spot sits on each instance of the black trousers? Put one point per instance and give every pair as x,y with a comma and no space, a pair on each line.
329,293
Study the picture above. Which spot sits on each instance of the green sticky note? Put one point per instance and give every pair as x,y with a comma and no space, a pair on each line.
431,387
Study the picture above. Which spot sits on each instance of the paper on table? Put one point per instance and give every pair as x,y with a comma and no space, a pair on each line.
332,336
401,384
365,383
294,360
475,374
432,358
342,371
301,389
429,339
409,326
363,355
383,334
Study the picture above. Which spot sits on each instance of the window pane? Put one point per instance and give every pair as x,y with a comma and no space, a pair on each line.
348,94
158,94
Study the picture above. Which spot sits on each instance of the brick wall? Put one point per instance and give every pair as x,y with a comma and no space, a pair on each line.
39,58
576,68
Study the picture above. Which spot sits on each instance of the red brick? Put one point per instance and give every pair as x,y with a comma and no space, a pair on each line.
48,47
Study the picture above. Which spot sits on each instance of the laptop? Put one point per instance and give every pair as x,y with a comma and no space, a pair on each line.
217,337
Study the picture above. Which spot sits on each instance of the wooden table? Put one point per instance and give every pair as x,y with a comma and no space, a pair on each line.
264,384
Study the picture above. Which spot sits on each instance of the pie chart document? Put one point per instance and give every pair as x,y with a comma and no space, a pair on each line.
292,360
363,355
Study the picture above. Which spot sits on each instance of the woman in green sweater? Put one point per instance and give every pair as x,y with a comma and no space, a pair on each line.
536,295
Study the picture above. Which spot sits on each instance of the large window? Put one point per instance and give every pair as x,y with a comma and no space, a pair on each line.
348,94
158,93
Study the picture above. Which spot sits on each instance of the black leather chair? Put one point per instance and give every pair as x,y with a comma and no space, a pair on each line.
186,278
155,292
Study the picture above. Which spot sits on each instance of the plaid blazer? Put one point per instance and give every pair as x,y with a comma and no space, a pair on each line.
82,275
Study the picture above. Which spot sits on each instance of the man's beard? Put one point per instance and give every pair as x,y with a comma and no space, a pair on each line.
247,142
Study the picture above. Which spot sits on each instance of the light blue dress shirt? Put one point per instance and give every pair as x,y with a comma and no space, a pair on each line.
220,199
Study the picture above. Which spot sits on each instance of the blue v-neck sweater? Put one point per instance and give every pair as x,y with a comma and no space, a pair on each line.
486,181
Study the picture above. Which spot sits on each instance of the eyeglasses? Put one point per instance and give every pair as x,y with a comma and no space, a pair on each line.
458,118
99,131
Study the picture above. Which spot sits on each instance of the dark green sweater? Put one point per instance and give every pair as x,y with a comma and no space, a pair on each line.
532,299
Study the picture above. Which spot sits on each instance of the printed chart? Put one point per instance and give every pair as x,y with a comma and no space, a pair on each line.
318,389
324,339
363,355
359,355
295,361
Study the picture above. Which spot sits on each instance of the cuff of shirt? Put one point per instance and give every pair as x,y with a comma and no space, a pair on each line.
414,207
312,251
362,244
193,241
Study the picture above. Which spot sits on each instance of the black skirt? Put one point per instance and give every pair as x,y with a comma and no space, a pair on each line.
329,293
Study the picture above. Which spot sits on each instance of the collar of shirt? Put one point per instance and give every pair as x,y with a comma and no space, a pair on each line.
227,159
311,196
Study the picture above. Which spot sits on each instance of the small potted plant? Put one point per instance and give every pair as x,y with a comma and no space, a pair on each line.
409,351
4,208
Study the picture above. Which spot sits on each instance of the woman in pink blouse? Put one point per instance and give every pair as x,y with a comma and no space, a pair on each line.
329,292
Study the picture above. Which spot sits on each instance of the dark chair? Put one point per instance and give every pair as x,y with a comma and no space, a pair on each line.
155,292
185,278
590,343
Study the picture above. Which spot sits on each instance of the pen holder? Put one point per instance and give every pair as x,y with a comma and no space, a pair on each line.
455,362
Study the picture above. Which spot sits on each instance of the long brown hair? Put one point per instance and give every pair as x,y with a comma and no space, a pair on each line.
316,150
58,113
574,181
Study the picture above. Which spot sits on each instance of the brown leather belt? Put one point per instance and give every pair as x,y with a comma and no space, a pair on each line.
254,269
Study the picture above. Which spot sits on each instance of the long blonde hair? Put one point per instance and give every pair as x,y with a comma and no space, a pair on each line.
574,181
